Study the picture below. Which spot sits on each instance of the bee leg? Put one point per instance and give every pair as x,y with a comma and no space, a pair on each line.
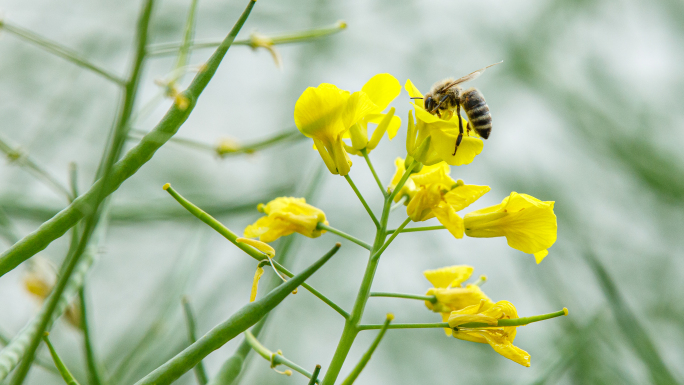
460,128
468,128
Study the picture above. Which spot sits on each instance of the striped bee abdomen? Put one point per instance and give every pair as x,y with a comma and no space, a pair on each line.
476,109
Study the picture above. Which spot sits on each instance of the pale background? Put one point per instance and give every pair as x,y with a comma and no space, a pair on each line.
587,112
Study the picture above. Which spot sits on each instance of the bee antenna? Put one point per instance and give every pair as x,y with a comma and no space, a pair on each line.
416,97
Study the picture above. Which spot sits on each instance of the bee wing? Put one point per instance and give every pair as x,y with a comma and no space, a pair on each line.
472,75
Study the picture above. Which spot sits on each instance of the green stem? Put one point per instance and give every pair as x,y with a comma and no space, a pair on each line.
184,48
293,37
323,226
200,372
401,202
403,179
375,175
407,326
274,358
351,326
314,376
248,148
124,169
363,201
415,229
236,324
430,298
94,377
366,357
516,321
23,160
232,237
59,50
66,374
394,235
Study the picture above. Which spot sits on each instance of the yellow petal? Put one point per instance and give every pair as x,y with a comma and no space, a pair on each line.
318,111
382,89
540,255
463,196
449,276
358,106
444,143
447,216
507,349
261,246
413,92
255,283
445,318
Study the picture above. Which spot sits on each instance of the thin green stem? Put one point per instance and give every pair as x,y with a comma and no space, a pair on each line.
226,151
363,201
366,356
184,48
375,175
292,37
23,160
389,241
94,377
323,226
59,50
401,202
406,326
515,321
66,374
274,358
200,372
252,252
416,229
403,179
430,298
314,376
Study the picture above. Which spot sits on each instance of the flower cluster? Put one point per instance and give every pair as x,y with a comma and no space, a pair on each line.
337,121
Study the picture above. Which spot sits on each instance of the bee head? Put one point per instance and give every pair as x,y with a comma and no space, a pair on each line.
430,103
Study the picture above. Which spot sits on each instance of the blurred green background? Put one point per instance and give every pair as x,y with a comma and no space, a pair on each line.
587,112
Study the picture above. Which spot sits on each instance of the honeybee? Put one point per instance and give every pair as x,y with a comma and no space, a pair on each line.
446,97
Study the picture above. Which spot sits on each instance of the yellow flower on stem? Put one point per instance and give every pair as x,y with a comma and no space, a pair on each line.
500,338
528,224
284,216
328,114
443,134
448,292
432,193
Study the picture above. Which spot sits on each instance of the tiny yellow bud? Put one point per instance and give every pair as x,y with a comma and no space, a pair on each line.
287,372
260,207
166,186
342,24
390,316
565,311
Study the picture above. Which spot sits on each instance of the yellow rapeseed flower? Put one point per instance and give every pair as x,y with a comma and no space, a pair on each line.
432,193
499,338
449,293
284,216
528,224
328,114
443,134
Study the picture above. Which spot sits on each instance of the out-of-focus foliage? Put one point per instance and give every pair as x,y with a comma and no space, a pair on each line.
586,110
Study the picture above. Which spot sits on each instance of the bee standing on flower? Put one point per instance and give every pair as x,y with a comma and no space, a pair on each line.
446,96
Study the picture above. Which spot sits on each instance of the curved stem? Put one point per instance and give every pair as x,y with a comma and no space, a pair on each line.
292,37
430,298
401,202
363,201
366,357
59,50
407,326
200,372
232,237
344,235
274,358
416,229
94,377
375,175
389,241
